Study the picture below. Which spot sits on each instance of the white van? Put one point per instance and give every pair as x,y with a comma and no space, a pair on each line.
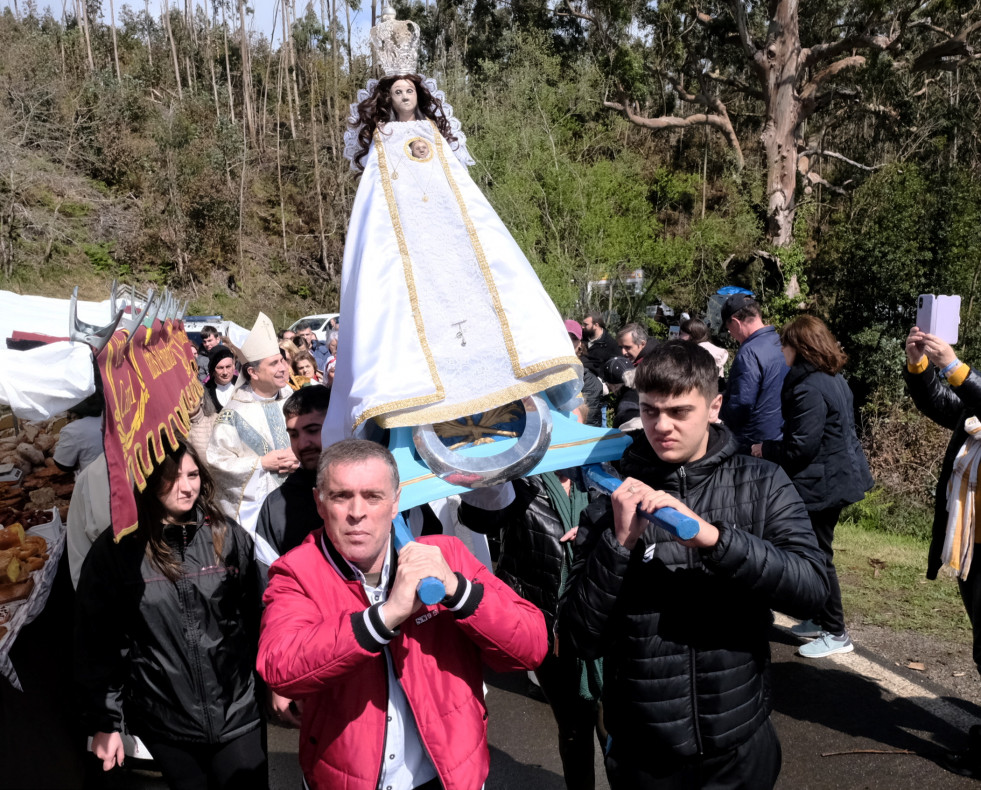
319,322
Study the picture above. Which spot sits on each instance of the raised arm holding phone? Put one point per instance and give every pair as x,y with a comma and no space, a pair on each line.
955,405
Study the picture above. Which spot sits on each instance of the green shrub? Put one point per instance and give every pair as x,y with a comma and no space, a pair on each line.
881,511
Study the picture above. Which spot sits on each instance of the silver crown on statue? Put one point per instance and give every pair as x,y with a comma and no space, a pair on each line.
395,45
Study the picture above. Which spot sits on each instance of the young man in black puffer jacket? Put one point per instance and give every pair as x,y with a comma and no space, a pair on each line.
683,625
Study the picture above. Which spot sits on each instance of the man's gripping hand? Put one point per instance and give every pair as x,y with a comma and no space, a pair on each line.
416,562
629,525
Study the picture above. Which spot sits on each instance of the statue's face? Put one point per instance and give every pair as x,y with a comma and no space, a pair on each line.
404,99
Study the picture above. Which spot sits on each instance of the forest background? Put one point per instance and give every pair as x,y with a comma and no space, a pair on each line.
824,155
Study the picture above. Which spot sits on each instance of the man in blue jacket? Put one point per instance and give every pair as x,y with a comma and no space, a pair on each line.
751,406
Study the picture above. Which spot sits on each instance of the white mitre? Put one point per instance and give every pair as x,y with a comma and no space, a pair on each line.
261,342
395,45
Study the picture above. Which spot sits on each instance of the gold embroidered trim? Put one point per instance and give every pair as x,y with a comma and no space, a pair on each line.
410,284
452,411
241,494
448,412
478,249
548,364
124,532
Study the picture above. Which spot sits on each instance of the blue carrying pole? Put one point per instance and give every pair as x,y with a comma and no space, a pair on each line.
430,589
681,526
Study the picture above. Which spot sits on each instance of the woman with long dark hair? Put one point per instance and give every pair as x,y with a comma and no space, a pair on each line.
166,635
821,453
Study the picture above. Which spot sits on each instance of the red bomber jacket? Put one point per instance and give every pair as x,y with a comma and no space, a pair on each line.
315,647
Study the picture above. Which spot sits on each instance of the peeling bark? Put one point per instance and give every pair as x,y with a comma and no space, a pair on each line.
779,61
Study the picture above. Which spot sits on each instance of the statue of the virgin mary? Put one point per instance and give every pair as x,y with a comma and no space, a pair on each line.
442,316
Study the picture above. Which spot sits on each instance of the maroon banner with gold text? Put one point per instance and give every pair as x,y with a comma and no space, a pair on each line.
150,388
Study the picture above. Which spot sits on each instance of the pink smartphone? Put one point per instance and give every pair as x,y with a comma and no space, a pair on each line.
939,315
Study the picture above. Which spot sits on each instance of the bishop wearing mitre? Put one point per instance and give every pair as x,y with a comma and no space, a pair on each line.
249,454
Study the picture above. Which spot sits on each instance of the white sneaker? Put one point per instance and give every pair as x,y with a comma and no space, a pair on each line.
827,645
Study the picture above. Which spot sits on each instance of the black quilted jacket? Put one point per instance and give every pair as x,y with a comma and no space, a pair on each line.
531,550
820,449
684,632
176,659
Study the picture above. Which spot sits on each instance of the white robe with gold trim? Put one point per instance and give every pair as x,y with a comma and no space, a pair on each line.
245,430
441,313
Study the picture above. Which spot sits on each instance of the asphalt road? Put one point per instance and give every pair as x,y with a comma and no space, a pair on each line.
829,714
850,722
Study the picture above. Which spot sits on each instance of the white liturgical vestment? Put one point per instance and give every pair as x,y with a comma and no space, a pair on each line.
245,430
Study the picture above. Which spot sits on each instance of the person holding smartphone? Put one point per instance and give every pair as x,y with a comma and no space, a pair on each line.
955,405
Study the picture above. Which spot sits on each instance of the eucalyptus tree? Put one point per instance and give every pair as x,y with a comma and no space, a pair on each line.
746,68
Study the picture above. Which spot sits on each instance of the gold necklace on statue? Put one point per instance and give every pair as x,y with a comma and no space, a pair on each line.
395,172
425,192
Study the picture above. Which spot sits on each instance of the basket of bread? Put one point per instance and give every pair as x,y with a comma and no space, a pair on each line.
22,556
29,477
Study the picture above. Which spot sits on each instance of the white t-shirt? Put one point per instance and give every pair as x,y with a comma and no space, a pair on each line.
79,443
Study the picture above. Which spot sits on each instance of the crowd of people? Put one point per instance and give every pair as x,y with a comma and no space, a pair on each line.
264,583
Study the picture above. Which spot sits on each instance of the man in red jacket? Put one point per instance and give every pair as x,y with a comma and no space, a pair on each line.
391,689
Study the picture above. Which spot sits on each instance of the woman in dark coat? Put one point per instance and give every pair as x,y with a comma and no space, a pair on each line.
821,453
166,635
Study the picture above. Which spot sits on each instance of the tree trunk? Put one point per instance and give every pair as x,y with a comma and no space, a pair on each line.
265,81
241,204
228,66
334,48
247,110
85,28
316,177
149,33
350,51
279,168
61,43
173,49
284,62
115,48
211,64
779,62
